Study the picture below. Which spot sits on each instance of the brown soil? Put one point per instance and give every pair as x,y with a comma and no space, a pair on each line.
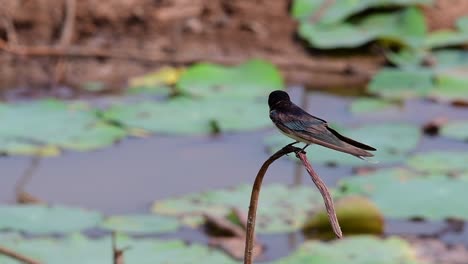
47,44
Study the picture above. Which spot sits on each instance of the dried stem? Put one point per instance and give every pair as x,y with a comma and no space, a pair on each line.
324,192
22,196
251,218
69,23
15,255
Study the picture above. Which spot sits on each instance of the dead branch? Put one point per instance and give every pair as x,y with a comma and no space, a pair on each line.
324,192
118,254
251,218
69,23
15,255
22,196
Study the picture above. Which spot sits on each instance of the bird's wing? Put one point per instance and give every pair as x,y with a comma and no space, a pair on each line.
314,130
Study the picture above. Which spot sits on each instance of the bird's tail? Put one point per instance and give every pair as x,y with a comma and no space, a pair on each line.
357,149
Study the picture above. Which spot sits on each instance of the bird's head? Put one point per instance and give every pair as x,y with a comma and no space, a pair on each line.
277,97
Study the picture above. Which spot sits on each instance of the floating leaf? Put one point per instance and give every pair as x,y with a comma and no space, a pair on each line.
255,78
407,58
446,37
42,126
354,250
303,9
280,209
15,147
449,87
356,214
340,10
397,84
440,161
39,219
77,249
156,82
404,194
456,130
380,136
141,223
370,105
186,116
406,28
450,58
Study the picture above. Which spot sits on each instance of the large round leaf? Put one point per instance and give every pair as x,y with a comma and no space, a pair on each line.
354,250
456,130
340,10
370,105
28,128
405,27
77,249
38,219
187,116
440,161
280,209
398,84
405,194
249,80
141,223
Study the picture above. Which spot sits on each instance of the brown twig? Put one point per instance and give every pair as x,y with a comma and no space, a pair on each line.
118,254
22,196
251,218
15,255
324,192
69,23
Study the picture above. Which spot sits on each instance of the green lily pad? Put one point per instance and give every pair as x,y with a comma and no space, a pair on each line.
440,161
449,87
354,250
156,83
77,249
407,58
380,136
253,79
15,147
445,37
141,223
456,130
356,214
280,209
401,84
185,116
405,194
31,127
38,219
370,105
450,58
406,27
340,10
303,9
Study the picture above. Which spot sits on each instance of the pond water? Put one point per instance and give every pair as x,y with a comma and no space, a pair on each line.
129,176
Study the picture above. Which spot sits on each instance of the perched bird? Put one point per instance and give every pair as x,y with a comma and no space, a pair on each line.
299,125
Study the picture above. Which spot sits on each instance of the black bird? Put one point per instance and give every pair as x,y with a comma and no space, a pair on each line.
299,125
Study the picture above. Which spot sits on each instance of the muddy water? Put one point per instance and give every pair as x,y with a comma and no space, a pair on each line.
127,177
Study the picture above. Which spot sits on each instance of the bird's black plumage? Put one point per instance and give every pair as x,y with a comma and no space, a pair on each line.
296,123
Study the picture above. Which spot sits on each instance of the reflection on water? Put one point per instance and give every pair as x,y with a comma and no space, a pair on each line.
127,177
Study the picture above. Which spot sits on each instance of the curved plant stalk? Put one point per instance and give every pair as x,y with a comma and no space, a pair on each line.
251,218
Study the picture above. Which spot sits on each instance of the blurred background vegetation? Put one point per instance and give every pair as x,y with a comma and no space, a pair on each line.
148,119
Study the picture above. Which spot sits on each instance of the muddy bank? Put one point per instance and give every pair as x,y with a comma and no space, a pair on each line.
66,43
